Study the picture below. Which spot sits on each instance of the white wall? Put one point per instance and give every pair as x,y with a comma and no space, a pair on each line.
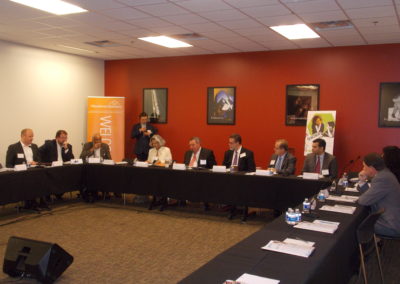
46,91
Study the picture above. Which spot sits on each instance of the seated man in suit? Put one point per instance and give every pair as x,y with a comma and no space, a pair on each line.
319,161
25,152
96,149
199,157
240,158
142,132
384,193
282,162
362,185
57,149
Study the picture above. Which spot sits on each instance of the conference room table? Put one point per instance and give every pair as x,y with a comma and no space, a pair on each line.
194,185
334,260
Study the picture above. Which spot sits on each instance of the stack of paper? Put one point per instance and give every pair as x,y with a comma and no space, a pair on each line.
343,198
254,279
291,246
319,226
339,208
351,189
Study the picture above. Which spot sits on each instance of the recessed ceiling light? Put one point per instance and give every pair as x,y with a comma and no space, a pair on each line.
57,7
166,41
299,31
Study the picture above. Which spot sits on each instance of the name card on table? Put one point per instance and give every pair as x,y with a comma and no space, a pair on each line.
57,164
76,161
108,162
141,164
177,166
219,169
21,167
310,175
94,160
264,173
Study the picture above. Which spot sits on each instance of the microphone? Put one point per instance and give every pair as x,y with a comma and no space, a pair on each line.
349,164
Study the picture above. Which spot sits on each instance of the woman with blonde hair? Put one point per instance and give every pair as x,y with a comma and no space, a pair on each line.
159,154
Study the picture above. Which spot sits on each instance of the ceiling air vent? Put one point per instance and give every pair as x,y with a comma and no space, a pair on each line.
332,25
103,43
189,36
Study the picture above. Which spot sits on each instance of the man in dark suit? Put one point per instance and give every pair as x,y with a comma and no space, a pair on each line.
384,193
199,157
25,152
57,149
282,162
96,149
142,132
240,159
319,161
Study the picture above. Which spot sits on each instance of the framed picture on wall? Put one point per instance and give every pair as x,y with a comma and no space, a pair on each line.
389,105
155,104
299,100
221,105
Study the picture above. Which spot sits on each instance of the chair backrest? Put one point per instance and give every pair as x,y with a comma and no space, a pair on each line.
365,230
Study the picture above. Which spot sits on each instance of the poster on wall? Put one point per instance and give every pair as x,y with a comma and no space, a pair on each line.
221,105
106,116
299,100
320,124
389,105
155,104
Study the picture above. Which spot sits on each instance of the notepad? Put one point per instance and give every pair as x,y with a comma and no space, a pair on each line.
254,279
304,249
343,198
319,226
339,208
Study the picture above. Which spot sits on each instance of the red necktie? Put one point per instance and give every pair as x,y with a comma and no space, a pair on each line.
194,160
317,166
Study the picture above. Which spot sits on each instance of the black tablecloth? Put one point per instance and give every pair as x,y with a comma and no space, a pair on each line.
38,182
202,185
333,261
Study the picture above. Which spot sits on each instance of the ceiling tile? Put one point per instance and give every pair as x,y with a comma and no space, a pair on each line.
281,20
162,9
267,11
149,23
185,19
312,43
204,5
142,2
349,4
337,15
125,13
313,6
381,11
251,3
170,30
371,22
224,15
241,24
204,27
98,4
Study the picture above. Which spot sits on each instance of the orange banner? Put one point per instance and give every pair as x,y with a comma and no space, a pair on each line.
106,115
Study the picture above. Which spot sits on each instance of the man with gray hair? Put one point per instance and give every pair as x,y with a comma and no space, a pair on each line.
282,162
197,156
384,193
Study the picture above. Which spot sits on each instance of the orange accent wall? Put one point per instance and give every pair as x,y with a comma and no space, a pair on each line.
349,80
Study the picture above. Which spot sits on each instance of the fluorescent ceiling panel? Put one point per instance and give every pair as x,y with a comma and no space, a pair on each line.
56,7
299,31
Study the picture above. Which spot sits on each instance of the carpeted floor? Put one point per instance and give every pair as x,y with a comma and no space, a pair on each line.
112,243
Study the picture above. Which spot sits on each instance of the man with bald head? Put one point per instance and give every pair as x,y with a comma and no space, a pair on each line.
25,152
96,149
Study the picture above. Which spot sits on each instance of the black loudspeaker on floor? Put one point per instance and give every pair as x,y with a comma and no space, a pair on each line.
39,260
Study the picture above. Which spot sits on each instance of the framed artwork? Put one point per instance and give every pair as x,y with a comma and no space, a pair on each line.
389,105
299,100
155,104
221,105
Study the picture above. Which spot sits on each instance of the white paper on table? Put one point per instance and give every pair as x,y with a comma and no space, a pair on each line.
339,209
289,248
299,242
250,174
351,189
343,198
121,163
319,226
254,279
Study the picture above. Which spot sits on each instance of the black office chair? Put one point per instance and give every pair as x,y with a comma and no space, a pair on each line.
367,242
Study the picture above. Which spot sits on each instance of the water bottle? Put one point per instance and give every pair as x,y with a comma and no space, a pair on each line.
298,216
321,196
345,180
333,186
291,217
306,206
